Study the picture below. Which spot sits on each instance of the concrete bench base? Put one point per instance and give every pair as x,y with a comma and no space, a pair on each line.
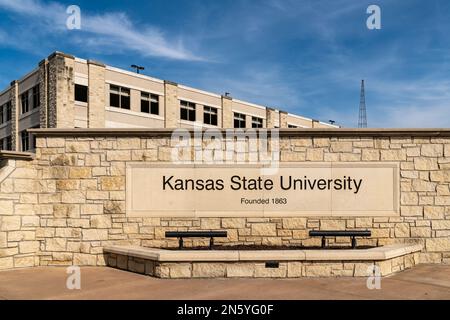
252,264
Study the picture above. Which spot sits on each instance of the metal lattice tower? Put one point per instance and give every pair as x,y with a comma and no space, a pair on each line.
362,122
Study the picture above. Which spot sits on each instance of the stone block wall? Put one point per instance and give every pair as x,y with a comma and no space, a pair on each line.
227,112
283,119
43,89
257,269
20,214
271,115
61,87
65,205
97,94
15,111
172,105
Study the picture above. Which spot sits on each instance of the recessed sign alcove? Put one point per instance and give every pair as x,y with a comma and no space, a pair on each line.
295,189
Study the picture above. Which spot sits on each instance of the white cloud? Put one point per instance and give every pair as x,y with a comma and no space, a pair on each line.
150,41
113,28
323,82
426,116
415,103
265,86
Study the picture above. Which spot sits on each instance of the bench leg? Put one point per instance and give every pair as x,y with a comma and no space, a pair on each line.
323,242
180,243
353,243
211,243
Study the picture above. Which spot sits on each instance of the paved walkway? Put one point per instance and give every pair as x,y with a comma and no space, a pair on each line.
422,282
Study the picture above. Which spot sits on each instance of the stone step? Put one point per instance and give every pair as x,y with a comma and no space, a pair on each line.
164,255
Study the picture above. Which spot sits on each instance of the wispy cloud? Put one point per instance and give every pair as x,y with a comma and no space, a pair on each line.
266,86
105,31
305,57
413,116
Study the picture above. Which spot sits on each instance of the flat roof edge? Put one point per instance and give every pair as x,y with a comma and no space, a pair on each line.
297,132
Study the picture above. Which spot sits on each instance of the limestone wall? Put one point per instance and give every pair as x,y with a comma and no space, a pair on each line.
20,213
97,94
65,205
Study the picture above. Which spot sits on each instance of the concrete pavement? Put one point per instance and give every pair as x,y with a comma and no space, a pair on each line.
421,282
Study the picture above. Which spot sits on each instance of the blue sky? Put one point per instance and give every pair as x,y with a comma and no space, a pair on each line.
305,57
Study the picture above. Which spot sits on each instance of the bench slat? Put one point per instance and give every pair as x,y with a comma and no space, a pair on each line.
340,233
196,234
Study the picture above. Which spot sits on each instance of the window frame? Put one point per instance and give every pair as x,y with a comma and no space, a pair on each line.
33,139
87,93
257,122
241,118
24,137
2,114
210,113
36,94
153,103
8,143
189,108
123,94
24,102
8,111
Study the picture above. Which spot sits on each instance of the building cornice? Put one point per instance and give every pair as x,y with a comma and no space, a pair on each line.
96,63
297,132
60,54
170,82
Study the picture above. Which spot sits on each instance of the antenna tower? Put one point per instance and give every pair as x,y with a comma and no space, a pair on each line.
362,122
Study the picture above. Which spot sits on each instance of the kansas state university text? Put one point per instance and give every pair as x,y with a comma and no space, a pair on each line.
237,183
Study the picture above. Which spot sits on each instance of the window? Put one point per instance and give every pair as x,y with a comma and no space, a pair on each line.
149,103
239,120
8,111
210,115
81,93
25,139
119,97
25,102
33,138
36,97
8,145
5,112
125,98
291,126
114,96
257,122
187,111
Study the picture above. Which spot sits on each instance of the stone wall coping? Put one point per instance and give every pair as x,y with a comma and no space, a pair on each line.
163,255
170,82
99,64
60,54
15,155
297,132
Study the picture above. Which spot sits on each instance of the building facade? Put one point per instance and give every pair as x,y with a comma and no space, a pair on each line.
68,92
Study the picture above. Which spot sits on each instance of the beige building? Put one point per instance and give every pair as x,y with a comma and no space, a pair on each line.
68,92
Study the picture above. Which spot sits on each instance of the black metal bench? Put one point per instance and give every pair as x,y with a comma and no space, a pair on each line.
340,233
196,234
